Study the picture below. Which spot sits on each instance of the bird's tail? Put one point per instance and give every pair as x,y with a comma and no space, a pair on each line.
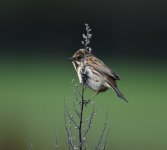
119,94
113,85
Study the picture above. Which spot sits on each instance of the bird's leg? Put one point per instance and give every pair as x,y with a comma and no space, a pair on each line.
89,100
86,102
93,95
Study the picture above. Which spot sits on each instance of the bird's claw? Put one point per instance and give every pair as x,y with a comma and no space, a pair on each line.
85,102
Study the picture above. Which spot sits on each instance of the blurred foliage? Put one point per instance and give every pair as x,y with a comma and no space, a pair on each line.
32,105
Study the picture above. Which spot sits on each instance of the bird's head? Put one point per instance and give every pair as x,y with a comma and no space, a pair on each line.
79,55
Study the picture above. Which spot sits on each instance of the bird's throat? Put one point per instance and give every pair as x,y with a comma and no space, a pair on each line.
75,64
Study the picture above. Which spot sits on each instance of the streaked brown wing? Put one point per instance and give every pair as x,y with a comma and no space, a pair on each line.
98,65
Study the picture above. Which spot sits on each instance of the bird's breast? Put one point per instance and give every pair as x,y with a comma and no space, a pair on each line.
94,79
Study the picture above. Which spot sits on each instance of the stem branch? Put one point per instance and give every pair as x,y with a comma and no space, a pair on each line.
81,118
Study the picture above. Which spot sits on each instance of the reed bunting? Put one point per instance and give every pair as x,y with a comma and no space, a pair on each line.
93,73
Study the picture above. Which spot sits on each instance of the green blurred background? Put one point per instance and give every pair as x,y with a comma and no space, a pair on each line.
37,39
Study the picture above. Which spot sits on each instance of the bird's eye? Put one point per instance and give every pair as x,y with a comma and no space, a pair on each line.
79,57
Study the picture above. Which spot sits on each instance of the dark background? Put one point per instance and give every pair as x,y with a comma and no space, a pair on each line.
36,39
126,27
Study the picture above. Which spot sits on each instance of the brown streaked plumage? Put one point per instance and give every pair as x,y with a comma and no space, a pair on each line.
94,73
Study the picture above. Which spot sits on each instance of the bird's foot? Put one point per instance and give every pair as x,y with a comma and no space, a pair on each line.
85,102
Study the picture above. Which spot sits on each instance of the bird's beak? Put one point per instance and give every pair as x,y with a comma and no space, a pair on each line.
71,59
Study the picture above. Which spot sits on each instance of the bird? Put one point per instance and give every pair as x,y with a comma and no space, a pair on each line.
94,74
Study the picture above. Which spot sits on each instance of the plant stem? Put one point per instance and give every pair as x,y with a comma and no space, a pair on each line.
81,119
